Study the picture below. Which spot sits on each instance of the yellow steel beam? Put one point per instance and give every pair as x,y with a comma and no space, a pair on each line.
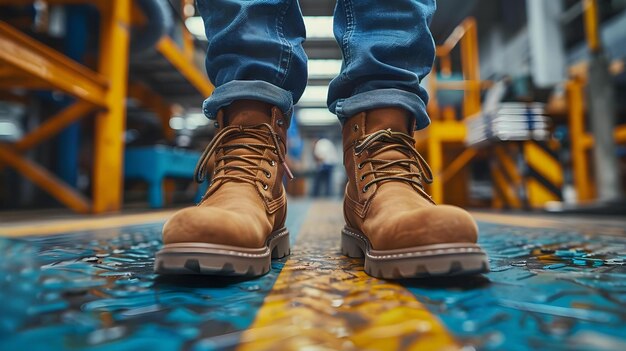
432,140
168,48
446,65
471,68
23,82
543,163
109,128
466,85
137,17
538,195
435,160
464,35
586,141
500,182
455,37
54,125
619,133
580,161
591,25
448,131
458,164
39,61
187,37
547,167
45,180
508,165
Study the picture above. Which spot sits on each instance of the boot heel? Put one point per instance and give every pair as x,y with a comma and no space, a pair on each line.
350,246
281,248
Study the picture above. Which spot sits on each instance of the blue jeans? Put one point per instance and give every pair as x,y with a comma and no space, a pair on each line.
255,52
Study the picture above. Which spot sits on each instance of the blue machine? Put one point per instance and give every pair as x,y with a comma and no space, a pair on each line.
155,163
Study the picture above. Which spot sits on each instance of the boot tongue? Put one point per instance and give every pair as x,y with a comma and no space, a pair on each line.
245,113
396,119
248,113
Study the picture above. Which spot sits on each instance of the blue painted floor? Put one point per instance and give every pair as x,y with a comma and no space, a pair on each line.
97,291
549,289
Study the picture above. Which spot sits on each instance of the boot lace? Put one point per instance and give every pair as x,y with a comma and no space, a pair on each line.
386,140
246,170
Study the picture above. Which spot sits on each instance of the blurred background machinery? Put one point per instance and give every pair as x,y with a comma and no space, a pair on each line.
100,104
519,93
88,79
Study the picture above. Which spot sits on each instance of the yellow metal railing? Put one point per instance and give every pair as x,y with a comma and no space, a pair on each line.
446,134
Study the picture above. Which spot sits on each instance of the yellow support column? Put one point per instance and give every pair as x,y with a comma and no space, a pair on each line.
108,143
582,179
471,68
435,159
591,24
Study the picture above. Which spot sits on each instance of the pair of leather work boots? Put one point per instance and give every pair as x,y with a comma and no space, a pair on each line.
239,225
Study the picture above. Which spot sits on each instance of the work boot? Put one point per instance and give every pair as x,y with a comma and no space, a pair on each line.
239,225
390,219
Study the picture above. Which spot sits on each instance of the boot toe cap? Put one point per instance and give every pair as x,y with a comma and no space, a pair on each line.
425,226
212,225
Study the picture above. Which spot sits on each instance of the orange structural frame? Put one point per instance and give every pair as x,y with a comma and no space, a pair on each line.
28,64
443,141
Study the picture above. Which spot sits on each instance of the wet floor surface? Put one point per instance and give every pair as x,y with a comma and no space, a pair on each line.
549,288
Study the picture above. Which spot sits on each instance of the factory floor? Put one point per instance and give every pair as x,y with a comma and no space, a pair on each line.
556,283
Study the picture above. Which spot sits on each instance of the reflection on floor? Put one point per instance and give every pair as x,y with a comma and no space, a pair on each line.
550,288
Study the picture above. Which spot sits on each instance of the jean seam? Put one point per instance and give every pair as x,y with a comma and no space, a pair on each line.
286,50
349,31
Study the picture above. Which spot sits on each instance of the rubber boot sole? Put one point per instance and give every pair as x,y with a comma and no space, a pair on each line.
450,259
223,260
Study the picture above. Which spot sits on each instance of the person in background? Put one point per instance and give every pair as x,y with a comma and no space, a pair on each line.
326,158
257,63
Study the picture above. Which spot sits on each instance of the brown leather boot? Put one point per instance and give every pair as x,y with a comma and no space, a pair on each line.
390,219
239,225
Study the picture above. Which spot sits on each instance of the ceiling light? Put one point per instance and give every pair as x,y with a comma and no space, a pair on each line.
314,96
315,117
195,25
324,69
319,27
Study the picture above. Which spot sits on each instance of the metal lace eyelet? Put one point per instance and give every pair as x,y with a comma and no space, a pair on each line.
365,188
265,186
272,163
355,127
359,166
216,124
362,178
280,122
268,175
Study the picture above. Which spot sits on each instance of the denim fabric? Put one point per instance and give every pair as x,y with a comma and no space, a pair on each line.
387,50
386,45
254,40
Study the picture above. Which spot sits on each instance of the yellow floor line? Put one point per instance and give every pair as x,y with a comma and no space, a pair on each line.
82,224
324,301
518,220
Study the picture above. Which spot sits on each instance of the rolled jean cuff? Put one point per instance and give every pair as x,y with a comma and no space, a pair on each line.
380,98
258,90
